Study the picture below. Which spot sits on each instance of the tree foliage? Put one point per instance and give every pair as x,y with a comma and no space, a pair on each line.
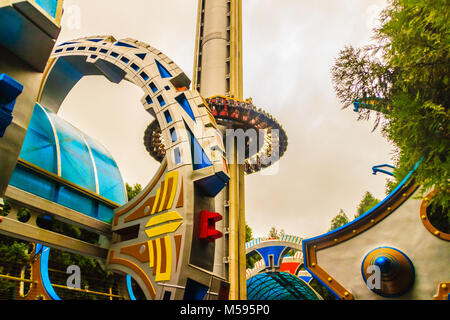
367,202
252,258
339,220
408,72
132,191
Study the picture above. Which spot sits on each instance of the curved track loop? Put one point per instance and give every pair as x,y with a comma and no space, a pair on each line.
152,234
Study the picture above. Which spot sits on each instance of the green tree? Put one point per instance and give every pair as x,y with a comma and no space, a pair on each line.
275,234
254,257
339,220
132,191
367,202
408,72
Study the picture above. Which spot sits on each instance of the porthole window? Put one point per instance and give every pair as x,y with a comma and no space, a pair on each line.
435,218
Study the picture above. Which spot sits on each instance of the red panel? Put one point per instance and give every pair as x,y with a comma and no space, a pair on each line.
208,225
289,267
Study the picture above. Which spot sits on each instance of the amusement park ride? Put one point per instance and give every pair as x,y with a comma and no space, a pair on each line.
183,235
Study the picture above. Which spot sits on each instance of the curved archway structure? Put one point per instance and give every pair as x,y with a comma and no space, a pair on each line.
156,235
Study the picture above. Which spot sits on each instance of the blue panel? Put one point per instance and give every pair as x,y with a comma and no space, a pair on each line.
153,87
9,90
173,134
31,182
135,67
199,158
105,213
161,101
306,278
148,100
49,6
77,201
168,116
162,71
141,55
184,103
144,76
123,44
194,290
177,155
76,163
39,146
272,250
110,181
95,40
212,185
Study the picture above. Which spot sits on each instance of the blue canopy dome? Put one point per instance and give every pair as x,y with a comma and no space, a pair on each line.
62,164
279,286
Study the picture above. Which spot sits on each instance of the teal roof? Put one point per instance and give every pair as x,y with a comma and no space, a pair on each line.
56,146
279,286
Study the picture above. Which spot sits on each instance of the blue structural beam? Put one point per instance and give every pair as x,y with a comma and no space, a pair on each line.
10,89
376,169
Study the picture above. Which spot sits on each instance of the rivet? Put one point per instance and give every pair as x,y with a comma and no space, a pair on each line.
424,217
426,199
444,286
313,264
329,279
346,293
335,240
372,221
437,232
389,208
404,194
354,231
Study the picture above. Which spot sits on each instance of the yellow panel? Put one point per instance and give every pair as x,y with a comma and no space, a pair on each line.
165,217
151,256
173,175
165,228
156,200
168,259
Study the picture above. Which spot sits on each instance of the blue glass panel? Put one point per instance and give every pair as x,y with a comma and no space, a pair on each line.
199,158
110,181
194,290
177,155
173,134
105,213
31,182
162,70
76,163
141,55
123,44
49,6
184,103
161,101
39,146
168,116
77,201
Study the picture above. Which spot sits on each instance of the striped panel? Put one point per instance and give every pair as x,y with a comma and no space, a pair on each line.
160,259
163,223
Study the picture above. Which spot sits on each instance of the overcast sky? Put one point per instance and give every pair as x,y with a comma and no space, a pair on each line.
289,48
